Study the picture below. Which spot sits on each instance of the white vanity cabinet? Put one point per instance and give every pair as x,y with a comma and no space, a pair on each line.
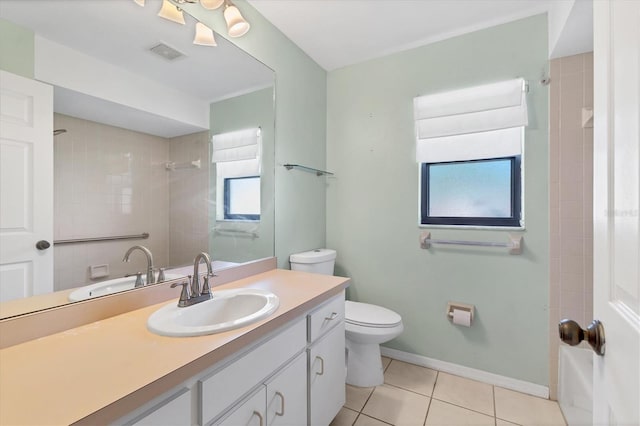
250,412
281,401
294,377
327,373
175,410
287,395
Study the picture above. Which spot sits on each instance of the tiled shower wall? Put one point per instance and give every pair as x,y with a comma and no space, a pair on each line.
189,200
571,199
107,181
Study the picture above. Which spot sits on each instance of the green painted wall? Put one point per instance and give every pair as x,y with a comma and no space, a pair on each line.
16,49
244,112
372,205
300,120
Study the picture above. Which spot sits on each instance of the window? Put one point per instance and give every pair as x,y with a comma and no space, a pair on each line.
242,198
474,192
469,145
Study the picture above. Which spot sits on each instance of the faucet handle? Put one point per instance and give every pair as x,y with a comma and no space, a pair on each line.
139,282
206,289
184,294
161,276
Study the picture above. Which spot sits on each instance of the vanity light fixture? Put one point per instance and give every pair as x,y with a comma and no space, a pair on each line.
171,12
237,26
204,35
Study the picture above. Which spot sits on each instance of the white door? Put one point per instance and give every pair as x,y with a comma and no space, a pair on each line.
616,217
26,187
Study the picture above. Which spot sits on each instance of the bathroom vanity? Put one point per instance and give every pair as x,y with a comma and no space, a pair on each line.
286,369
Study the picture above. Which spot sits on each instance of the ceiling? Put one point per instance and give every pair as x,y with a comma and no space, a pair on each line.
337,33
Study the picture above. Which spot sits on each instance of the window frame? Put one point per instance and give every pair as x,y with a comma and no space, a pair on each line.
513,221
227,199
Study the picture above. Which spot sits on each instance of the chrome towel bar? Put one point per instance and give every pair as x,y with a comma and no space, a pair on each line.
240,232
514,245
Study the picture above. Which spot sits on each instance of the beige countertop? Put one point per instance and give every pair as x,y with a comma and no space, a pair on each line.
99,372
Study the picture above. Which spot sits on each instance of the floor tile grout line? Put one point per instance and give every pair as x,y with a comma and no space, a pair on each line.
431,397
462,406
356,419
426,416
493,393
409,390
368,398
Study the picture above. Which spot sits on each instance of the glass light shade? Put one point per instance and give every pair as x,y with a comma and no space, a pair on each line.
236,25
139,2
204,35
211,4
171,12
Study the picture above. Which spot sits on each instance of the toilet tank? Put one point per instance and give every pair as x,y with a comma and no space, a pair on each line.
318,261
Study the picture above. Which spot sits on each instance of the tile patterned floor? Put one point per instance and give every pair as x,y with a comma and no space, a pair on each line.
413,395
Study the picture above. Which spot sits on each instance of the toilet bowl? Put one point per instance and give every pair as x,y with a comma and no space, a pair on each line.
366,325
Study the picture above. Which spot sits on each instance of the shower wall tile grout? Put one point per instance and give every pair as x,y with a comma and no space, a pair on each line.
571,200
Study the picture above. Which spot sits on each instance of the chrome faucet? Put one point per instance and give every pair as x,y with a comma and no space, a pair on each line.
196,294
147,253
195,283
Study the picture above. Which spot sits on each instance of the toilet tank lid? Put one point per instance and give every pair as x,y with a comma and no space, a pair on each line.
313,256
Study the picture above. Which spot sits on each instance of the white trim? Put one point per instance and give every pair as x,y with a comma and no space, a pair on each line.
469,373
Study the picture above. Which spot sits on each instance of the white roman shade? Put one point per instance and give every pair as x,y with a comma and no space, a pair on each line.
475,123
237,153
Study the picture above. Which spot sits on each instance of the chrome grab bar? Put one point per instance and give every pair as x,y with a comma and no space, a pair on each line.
142,236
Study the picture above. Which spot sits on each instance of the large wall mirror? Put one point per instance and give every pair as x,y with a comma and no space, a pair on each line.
156,139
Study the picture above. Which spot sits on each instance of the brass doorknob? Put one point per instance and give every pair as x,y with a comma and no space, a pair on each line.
572,334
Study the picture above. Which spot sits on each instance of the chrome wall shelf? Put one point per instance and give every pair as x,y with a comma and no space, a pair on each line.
307,169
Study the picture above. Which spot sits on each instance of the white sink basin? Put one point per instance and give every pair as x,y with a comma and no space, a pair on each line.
226,310
110,286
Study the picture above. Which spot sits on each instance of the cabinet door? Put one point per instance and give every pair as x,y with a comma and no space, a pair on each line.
174,411
327,377
287,395
248,413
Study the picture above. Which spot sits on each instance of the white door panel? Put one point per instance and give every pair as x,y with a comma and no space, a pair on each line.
26,186
616,209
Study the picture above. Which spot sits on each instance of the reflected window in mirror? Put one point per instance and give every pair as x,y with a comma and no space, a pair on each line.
242,198
237,156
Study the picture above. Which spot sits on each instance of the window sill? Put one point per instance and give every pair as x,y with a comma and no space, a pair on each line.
484,228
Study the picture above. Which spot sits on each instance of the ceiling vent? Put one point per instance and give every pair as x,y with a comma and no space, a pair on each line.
167,52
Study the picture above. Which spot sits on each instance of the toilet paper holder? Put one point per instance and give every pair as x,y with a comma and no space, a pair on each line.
451,306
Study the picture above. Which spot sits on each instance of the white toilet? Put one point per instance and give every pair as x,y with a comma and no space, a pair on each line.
366,325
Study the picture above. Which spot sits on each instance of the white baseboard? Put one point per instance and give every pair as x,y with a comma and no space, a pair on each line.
469,373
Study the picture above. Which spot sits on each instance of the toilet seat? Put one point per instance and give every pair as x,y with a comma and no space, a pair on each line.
373,316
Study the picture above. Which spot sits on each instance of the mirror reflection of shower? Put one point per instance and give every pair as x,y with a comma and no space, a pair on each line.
57,132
